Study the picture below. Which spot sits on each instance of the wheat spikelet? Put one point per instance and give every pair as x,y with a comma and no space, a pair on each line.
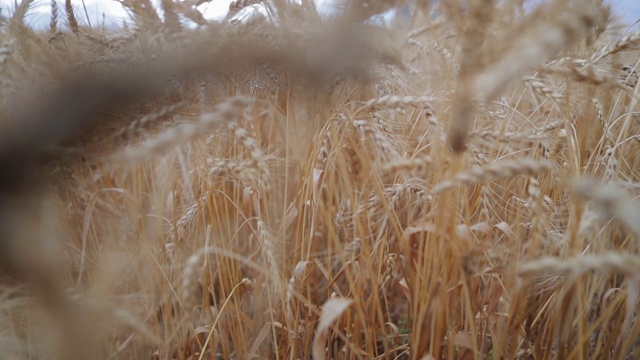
612,262
391,101
202,93
224,112
121,39
356,165
447,56
367,129
600,112
590,221
323,152
558,145
586,73
418,165
136,126
620,45
53,24
71,17
611,164
189,285
552,126
493,135
298,274
542,89
257,159
418,44
190,214
485,205
536,210
375,204
268,246
6,52
224,167
499,170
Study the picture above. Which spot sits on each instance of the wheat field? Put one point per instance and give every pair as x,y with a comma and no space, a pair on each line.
456,182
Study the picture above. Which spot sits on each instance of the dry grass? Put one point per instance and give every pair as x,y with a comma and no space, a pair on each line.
461,184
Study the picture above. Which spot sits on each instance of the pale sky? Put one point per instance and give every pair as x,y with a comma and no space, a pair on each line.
629,10
111,12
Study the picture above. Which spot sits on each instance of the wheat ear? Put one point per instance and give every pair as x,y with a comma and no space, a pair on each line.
500,170
224,112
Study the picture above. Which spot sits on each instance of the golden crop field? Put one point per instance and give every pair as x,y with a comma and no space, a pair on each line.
458,183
